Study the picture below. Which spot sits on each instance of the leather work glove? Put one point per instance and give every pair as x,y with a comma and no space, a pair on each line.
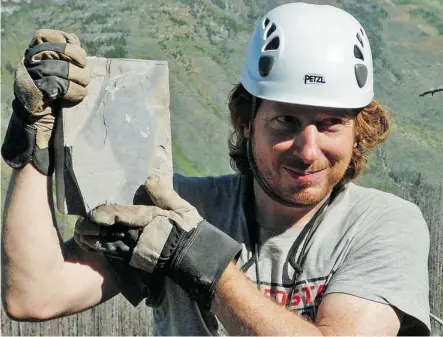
171,236
51,75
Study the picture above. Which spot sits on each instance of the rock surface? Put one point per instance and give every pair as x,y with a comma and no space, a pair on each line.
108,144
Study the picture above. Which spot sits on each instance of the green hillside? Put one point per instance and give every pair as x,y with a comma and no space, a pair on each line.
204,41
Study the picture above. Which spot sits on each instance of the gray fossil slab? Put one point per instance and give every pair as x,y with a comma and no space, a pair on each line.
119,134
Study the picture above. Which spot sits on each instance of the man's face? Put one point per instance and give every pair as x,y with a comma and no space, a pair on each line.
302,152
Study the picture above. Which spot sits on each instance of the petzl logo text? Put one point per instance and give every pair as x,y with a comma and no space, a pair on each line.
314,79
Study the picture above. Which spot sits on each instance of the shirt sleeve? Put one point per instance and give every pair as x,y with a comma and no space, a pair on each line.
388,263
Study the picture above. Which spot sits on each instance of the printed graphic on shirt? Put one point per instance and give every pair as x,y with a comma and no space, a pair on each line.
304,299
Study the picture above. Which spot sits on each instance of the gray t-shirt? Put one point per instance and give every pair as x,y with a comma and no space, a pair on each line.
369,244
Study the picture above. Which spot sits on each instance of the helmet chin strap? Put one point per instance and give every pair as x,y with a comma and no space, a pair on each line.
253,167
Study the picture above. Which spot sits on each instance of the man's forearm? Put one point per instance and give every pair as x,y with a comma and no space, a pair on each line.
243,310
31,248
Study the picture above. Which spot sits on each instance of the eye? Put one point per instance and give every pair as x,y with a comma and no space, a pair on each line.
287,119
329,123
285,122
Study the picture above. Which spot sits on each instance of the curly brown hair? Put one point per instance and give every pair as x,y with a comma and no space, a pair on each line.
372,127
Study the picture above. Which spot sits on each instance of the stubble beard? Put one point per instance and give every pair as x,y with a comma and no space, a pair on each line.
305,193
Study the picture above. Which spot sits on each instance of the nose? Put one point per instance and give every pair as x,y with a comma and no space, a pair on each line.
306,144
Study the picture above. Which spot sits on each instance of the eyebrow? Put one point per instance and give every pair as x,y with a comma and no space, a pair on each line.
338,112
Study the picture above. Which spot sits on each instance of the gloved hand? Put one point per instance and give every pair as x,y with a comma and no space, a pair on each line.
172,237
51,75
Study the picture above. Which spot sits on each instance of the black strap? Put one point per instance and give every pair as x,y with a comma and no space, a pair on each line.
252,227
313,225
308,231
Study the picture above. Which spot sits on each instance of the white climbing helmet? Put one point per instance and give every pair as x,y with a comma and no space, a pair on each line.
312,55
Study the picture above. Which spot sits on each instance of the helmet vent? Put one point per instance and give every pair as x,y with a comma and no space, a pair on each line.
271,30
360,40
362,32
266,23
273,44
361,74
265,64
357,53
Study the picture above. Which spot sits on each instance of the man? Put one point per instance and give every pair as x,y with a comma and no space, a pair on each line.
289,246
